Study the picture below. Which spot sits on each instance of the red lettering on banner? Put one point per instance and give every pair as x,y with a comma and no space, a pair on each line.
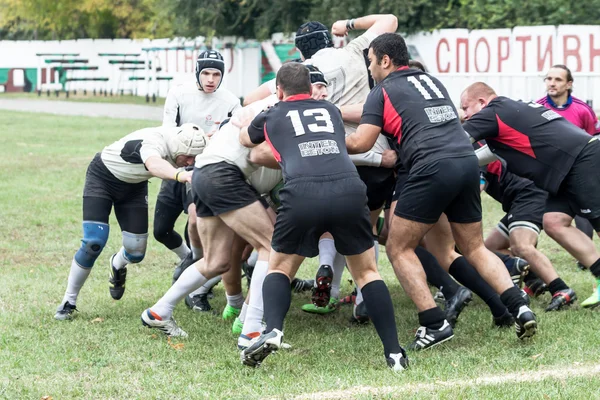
187,58
488,55
547,53
593,52
464,42
523,40
505,56
572,52
437,56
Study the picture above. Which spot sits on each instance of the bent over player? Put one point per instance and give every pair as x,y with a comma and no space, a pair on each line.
118,176
322,193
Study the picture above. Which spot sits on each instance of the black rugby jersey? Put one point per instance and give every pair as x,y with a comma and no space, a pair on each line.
537,143
307,137
414,109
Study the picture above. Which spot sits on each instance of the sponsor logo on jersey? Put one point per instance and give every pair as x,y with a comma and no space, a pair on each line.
440,114
550,115
318,148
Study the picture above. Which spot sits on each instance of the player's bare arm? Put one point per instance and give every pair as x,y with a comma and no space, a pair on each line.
363,139
163,170
376,23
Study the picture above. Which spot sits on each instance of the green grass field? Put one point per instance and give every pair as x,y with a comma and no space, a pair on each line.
106,353
88,98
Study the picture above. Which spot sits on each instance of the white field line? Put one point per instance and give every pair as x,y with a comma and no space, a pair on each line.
523,376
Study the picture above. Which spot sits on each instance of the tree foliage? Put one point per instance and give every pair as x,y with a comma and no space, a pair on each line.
69,19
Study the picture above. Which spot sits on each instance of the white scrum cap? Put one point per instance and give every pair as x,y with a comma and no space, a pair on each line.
188,139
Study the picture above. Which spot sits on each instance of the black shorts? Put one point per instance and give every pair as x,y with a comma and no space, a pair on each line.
401,178
175,194
380,185
449,185
314,205
101,183
219,188
579,193
525,211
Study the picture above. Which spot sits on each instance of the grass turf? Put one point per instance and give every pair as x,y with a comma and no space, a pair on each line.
105,352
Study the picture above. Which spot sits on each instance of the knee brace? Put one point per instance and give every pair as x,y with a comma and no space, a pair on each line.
134,245
95,236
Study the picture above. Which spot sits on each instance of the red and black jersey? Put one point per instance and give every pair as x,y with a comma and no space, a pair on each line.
536,143
414,109
306,136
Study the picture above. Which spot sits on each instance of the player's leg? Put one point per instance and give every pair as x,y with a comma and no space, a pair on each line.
523,238
95,235
498,239
217,238
168,208
131,212
232,281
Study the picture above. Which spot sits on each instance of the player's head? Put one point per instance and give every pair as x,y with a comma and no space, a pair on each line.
210,69
559,80
185,143
387,53
292,79
416,64
475,97
318,82
311,37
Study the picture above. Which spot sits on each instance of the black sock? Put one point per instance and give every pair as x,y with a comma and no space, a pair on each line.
468,276
584,226
436,274
557,285
504,257
513,300
276,299
381,311
432,318
595,269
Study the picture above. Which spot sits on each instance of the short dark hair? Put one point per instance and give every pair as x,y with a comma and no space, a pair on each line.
392,45
293,78
416,64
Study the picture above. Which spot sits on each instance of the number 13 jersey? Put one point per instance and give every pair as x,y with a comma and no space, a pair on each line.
307,137
414,109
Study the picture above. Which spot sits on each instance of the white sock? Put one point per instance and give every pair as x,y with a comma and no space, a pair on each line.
243,312
197,252
189,280
119,260
207,286
359,298
254,314
236,300
376,245
327,252
253,258
339,262
182,251
77,277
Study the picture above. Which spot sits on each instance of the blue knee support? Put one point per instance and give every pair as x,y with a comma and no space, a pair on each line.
95,236
134,245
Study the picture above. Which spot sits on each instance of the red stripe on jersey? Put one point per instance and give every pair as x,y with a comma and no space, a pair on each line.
273,150
495,168
392,121
513,138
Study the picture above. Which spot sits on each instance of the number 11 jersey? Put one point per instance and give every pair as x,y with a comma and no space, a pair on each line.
307,137
414,109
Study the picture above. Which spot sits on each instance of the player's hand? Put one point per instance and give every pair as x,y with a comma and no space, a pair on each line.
339,28
185,177
388,158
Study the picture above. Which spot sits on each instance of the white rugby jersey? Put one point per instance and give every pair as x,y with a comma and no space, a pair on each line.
125,158
225,144
185,103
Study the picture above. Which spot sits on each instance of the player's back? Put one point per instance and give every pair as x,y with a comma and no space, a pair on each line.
419,114
308,138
